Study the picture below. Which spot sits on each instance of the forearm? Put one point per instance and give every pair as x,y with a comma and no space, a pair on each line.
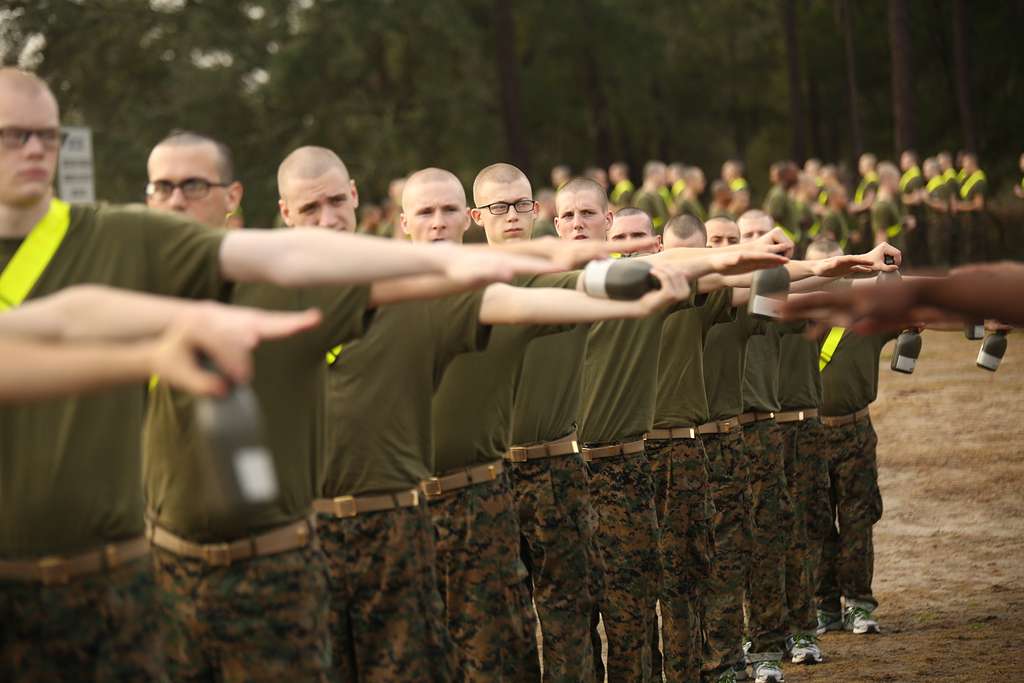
34,371
299,257
93,312
507,305
416,288
991,291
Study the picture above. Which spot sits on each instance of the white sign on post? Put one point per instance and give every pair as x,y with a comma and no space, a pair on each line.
75,180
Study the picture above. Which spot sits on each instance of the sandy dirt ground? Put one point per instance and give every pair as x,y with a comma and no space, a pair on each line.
949,550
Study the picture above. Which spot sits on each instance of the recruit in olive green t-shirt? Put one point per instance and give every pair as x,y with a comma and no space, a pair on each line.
724,362
850,381
71,472
379,436
799,377
288,381
681,401
761,392
620,375
473,406
547,394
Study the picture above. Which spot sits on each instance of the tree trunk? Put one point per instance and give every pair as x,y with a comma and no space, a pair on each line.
853,99
902,74
796,114
963,74
507,65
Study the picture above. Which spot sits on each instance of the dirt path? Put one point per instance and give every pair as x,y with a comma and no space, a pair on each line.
949,562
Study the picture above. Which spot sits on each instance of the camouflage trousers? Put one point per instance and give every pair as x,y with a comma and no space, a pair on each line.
100,627
263,619
726,584
848,559
483,583
772,512
387,618
558,526
622,491
682,497
807,478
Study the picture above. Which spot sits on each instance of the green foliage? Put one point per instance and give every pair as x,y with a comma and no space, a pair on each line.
395,85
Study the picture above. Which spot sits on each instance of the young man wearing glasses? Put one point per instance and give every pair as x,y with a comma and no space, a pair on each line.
193,174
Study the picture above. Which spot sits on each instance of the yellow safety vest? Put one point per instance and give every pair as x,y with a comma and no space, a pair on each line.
948,175
34,255
622,187
869,179
912,172
828,349
332,355
678,187
961,176
737,184
935,183
976,177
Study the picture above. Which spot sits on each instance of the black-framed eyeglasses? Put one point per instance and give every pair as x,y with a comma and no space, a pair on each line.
191,188
16,138
501,208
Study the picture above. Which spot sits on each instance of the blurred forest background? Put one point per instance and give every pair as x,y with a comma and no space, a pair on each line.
395,85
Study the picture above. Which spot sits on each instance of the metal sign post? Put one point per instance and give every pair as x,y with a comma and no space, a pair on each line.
75,179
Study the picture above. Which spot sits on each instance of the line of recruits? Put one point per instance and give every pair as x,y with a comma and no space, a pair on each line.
458,469
934,210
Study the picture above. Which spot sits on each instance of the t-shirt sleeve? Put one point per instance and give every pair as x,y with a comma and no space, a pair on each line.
717,308
566,280
182,256
346,313
456,325
980,188
880,217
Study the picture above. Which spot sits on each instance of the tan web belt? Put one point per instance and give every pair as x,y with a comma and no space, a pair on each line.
842,420
751,417
564,446
435,487
719,426
56,570
796,415
672,433
353,506
615,449
280,540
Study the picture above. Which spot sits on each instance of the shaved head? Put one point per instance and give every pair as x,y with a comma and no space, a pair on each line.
497,174
722,232
434,206
578,185
308,162
430,176
24,83
27,172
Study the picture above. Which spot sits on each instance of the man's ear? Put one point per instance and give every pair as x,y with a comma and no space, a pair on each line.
476,215
354,193
233,197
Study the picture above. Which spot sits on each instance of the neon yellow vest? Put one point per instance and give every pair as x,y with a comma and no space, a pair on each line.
870,179
966,187
622,187
828,349
912,172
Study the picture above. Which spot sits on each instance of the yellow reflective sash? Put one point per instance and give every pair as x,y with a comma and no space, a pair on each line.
935,183
961,176
622,187
678,187
666,197
894,230
828,349
332,355
737,184
823,197
870,179
912,172
976,177
793,235
34,255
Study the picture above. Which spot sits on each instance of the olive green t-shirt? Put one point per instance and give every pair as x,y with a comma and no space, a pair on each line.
761,377
620,374
778,206
835,222
799,378
724,362
692,207
379,436
911,181
473,406
850,381
71,469
653,205
681,400
884,215
544,228
547,397
288,381
972,188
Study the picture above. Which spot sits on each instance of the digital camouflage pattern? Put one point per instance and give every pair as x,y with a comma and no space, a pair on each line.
807,478
261,619
99,627
388,620
483,583
848,560
772,512
685,511
558,526
725,586
622,491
